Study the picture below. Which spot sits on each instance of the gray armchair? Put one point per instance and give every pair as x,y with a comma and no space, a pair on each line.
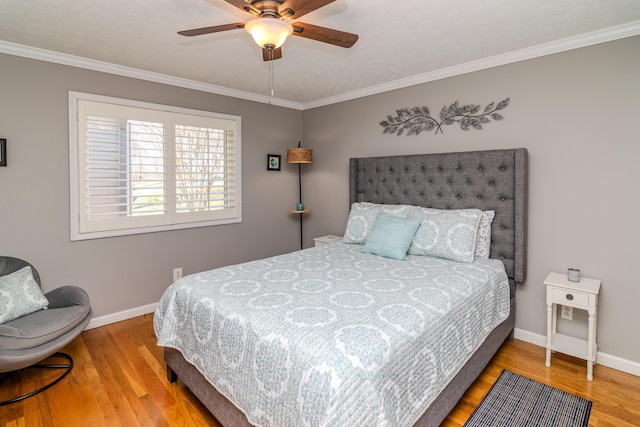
32,338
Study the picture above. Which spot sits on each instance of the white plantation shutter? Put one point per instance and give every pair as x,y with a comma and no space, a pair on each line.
206,167
142,167
147,175
125,168
103,162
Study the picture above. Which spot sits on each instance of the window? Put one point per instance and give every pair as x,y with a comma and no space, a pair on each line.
139,167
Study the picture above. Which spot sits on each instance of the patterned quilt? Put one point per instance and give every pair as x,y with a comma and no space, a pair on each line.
331,336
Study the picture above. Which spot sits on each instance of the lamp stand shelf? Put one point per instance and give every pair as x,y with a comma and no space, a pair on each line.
303,211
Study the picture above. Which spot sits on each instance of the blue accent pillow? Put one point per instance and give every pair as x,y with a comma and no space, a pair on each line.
391,236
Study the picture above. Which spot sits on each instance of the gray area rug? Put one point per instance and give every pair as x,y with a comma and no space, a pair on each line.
514,400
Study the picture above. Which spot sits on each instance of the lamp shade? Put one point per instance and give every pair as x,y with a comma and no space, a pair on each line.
299,155
269,31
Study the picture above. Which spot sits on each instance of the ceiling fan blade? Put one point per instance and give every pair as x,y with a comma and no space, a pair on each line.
209,30
325,35
266,55
301,7
240,4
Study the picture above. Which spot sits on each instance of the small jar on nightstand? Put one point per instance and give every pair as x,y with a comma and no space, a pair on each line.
325,240
582,295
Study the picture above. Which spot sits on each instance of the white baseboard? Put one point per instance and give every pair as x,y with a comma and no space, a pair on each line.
121,315
604,359
527,336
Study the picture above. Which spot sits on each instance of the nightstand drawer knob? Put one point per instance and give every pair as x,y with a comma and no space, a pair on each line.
569,297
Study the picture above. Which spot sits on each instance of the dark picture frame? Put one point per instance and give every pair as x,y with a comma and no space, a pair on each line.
273,162
3,152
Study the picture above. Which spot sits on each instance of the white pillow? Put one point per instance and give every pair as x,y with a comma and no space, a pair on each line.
483,239
449,234
20,295
363,215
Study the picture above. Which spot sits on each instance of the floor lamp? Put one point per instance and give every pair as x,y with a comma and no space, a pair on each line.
300,155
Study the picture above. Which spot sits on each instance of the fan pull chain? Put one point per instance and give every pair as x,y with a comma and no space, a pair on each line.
270,75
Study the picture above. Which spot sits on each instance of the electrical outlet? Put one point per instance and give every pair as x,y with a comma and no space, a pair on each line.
567,312
177,273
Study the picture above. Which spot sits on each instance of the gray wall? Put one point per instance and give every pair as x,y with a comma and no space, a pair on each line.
126,272
578,114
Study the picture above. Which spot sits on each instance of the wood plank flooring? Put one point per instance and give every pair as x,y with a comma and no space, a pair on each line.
119,380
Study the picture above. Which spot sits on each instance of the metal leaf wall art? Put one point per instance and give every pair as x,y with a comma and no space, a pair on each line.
418,119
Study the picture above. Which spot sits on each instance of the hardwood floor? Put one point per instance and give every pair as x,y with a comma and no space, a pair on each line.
119,380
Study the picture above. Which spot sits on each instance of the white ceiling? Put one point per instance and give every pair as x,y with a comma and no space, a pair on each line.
401,42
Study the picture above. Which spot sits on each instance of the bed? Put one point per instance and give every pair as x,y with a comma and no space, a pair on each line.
369,374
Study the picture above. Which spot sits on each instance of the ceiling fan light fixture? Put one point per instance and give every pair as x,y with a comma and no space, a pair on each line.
268,31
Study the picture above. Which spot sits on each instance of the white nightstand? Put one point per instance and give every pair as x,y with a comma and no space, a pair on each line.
582,295
325,240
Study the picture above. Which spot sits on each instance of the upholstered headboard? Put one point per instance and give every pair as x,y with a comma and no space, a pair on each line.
487,180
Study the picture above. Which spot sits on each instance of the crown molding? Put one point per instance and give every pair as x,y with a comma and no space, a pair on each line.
588,39
120,70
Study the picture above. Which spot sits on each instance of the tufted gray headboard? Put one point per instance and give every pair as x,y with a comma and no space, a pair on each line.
487,180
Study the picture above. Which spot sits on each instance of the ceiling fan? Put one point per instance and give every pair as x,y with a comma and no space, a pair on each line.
270,27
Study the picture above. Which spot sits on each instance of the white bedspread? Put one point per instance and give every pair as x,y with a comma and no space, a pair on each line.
330,336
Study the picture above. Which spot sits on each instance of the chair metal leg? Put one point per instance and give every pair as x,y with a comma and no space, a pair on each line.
65,366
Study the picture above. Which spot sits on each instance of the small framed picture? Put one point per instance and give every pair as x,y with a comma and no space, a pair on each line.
273,162
3,152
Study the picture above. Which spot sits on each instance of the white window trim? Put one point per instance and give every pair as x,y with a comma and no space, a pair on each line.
74,178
